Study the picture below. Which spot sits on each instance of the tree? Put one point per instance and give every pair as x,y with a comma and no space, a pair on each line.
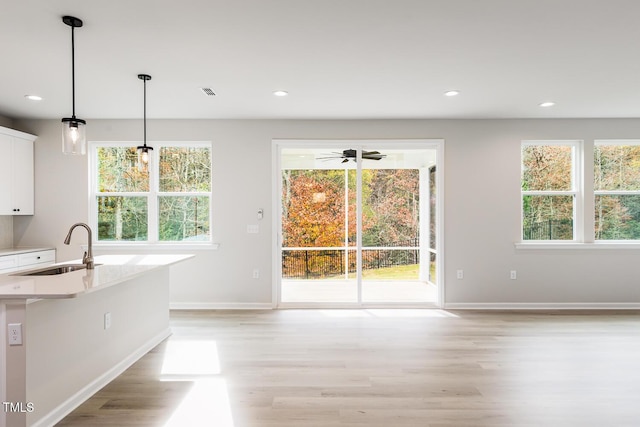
313,204
393,206
314,208
616,168
547,168
184,183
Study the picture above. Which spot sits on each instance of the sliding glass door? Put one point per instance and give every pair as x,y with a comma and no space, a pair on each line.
395,215
358,222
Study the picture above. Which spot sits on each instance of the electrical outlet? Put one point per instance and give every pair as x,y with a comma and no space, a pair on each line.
256,273
460,274
107,321
513,275
15,333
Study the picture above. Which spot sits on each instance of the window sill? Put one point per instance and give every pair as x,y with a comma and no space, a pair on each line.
153,247
576,245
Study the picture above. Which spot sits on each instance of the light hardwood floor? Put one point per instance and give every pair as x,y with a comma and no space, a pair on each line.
381,368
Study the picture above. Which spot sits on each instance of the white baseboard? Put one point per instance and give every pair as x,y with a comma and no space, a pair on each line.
448,306
90,389
220,306
542,306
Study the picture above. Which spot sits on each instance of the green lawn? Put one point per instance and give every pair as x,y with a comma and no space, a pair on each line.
400,272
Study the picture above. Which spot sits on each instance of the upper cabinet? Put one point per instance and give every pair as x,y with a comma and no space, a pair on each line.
16,172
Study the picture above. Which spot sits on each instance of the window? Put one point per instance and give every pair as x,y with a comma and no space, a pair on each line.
168,204
616,170
549,190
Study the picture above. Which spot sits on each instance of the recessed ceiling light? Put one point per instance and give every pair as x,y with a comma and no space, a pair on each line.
547,104
33,97
280,93
452,93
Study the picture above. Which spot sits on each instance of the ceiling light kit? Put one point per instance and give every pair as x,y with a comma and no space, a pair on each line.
144,151
74,139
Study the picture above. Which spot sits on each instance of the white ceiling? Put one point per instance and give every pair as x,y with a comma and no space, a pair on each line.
336,58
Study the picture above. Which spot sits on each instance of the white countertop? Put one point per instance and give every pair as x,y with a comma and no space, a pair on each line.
113,269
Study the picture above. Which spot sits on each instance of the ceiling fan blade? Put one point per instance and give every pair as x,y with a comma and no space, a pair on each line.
373,155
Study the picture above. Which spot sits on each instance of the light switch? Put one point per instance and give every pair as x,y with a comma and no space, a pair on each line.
253,228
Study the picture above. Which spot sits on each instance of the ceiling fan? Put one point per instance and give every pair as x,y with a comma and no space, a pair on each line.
350,154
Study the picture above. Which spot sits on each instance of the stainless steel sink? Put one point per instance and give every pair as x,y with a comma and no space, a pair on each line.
52,271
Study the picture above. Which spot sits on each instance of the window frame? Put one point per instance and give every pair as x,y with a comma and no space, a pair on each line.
612,142
576,190
153,217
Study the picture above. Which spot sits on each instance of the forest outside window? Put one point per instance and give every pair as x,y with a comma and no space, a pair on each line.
169,203
616,171
549,190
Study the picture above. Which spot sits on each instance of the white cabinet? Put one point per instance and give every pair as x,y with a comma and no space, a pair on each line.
8,263
26,260
16,172
36,259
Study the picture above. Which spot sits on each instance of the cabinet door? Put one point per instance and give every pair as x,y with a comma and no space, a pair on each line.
8,263
36,259
6,175
22,177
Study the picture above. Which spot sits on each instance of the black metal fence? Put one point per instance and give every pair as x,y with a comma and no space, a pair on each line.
553,229
322,263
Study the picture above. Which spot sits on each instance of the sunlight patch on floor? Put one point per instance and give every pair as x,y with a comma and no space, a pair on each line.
206,404
189,358
407,312
386,313
341,313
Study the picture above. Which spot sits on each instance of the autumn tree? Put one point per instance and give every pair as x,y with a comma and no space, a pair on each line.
393,206
617,168
313,205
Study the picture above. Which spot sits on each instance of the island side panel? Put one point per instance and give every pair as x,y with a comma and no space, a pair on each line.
13,366
70,353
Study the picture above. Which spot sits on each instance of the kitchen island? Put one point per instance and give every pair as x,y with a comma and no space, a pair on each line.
66,336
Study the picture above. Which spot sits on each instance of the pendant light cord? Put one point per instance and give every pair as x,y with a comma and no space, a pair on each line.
73,75
145,112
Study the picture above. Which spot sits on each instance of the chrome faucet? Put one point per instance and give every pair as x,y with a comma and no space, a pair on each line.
87,258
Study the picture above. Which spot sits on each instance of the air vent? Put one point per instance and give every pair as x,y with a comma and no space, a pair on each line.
208,91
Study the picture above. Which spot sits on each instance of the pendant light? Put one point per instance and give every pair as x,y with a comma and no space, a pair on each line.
144,151
74,139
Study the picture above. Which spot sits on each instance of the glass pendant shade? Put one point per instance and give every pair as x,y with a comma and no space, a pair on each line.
74,138
144,157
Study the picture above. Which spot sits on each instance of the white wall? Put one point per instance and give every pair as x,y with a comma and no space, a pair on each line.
482,206
6,122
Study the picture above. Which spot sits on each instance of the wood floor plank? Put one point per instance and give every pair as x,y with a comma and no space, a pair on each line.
430,368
